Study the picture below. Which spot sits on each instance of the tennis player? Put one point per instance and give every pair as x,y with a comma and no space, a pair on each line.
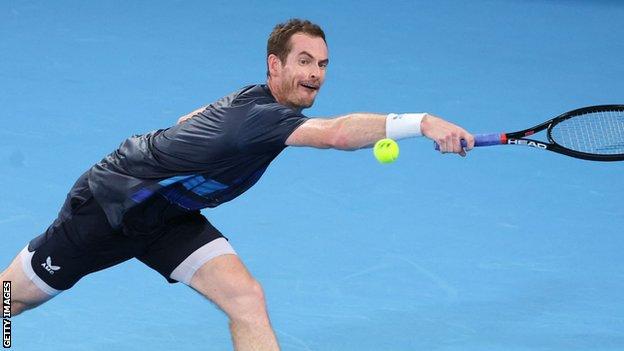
143,200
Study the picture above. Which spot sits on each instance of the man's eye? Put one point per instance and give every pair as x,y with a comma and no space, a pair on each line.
304,61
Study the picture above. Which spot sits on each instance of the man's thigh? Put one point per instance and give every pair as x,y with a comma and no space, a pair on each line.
222,278
188,240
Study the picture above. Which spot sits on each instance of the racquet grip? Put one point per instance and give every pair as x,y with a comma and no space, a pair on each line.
480,140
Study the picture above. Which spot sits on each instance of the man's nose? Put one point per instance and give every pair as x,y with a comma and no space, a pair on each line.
315,72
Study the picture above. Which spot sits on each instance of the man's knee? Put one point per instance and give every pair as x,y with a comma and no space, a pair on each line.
17,307
239,298
225,281
249,294
25,294
245,301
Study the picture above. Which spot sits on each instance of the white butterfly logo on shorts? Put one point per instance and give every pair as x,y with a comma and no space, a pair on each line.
49,267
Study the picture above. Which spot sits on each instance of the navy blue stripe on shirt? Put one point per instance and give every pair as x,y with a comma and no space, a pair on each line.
202,186
189,191
182,198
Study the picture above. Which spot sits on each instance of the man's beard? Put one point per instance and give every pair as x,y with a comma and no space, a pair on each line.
303,105
302,102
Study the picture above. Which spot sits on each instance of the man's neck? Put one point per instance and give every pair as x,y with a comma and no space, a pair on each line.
274,91
276,94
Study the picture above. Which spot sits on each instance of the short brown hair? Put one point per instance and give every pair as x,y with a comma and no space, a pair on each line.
279,40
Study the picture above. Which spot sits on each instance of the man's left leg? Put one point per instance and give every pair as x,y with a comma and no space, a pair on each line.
225,281
193,252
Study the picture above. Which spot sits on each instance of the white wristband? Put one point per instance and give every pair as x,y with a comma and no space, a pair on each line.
405,125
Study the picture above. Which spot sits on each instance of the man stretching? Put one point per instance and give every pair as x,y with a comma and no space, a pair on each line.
144,199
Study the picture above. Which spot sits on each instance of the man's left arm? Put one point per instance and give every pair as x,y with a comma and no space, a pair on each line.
360,130
188,116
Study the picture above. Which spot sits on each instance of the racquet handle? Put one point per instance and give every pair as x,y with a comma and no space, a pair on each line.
480,140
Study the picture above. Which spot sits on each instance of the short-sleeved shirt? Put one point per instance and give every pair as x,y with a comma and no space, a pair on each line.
208,160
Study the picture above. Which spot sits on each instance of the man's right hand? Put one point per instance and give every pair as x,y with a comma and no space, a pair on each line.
446,134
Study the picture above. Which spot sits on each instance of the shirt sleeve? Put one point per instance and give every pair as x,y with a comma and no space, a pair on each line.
267,127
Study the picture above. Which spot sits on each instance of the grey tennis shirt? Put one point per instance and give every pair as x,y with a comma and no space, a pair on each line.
208,160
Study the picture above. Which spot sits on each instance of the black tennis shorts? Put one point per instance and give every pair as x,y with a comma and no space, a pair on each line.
81,241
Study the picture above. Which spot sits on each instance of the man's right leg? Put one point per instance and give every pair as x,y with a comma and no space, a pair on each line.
25,292
79,242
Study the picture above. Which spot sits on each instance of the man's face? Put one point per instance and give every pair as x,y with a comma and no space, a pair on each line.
299,79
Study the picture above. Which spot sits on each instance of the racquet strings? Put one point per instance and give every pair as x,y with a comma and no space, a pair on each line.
600,132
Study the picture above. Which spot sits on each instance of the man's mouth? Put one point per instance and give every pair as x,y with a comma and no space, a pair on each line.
310,86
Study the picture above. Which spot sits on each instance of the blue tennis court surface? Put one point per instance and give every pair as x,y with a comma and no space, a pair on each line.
509,249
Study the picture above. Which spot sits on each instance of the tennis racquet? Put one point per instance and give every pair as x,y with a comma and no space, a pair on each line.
591,133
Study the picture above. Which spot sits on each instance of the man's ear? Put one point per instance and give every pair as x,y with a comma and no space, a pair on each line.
274,64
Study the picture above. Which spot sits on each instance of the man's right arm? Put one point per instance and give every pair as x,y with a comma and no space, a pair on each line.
360,130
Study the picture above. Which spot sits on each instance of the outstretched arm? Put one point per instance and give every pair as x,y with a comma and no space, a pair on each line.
360,130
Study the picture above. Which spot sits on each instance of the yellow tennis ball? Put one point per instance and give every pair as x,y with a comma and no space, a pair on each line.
386,150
